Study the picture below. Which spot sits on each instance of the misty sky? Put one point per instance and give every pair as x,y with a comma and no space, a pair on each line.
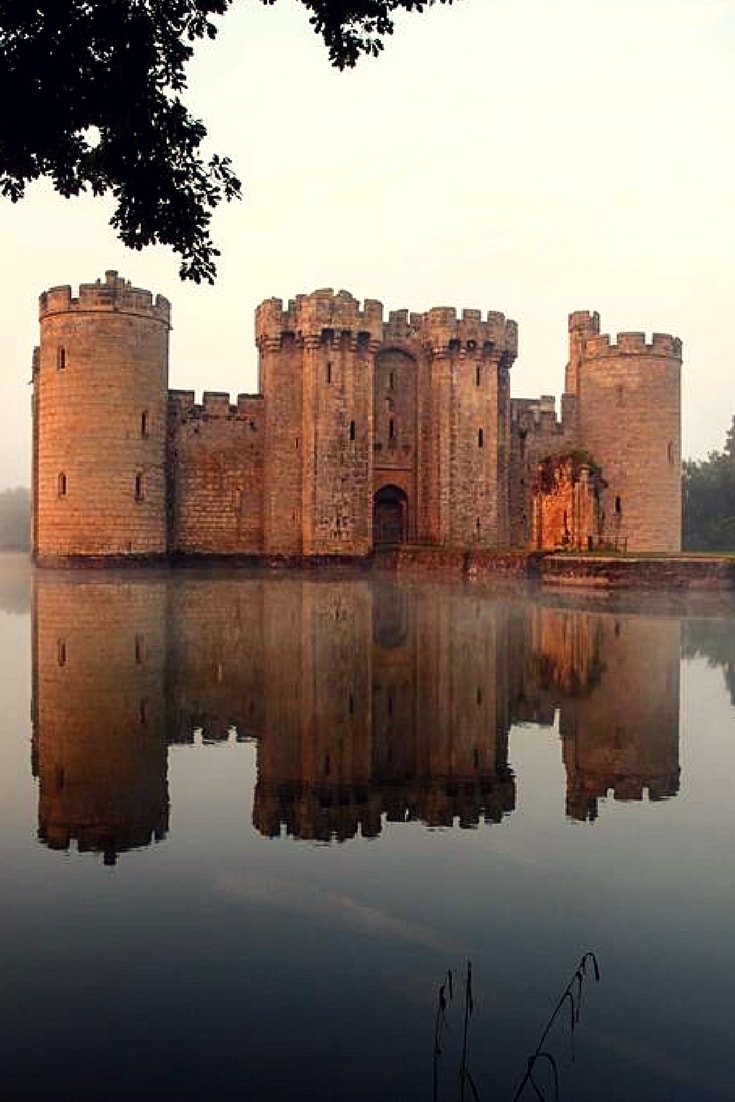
527,156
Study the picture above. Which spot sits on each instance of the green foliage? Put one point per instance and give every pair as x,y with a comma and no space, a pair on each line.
15,519
709,500
95,88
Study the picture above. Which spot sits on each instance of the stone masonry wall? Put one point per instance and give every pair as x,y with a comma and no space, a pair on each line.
215,457
535,434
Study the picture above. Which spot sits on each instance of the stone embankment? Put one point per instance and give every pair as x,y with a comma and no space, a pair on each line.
588,571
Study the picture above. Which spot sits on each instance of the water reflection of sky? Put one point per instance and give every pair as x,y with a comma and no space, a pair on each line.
237,958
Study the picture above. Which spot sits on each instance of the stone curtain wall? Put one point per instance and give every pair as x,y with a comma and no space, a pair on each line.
215,453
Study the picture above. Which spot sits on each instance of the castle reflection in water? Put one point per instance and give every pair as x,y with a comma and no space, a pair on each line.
366,698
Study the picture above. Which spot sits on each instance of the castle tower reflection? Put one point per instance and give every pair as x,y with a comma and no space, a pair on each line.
615,679
99,697
369,701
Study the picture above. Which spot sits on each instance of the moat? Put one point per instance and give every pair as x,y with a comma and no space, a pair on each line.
249,821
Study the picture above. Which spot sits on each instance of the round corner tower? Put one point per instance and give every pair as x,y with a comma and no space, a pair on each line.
100,392
629,419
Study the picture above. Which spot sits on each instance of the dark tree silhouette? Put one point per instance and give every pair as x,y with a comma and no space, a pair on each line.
709,500
91,93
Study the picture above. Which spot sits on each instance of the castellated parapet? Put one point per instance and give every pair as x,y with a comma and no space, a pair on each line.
365,432
114,294
318,316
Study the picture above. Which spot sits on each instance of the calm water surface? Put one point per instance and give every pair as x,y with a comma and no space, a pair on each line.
249,823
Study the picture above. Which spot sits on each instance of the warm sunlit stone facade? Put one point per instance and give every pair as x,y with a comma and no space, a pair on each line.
366,432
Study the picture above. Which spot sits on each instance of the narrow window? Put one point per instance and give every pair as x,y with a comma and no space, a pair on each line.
480,438
327,768
144,423
61,485
139,650
618,506
391,380
352,430
479,696
139,487
298,442
61,651
391,429
329,373
670,452
478,375
60,358
351,704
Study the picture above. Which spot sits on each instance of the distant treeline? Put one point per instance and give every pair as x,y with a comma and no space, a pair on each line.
15,519
709,500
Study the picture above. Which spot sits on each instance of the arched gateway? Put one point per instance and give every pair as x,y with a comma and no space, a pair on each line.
390,516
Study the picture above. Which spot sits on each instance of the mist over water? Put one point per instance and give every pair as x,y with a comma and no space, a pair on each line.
249,821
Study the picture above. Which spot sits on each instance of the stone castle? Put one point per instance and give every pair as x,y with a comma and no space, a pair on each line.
365,432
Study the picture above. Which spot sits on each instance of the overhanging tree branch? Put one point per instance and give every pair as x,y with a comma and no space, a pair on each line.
97,88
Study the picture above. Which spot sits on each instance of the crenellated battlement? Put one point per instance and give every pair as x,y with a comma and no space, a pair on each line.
215,405
311,316
535,415
115,295
632,344
402,326
441,330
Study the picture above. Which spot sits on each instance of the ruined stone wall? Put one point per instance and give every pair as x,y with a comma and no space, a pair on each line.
100,393
535,434
215,469
99,719
629,418
566,505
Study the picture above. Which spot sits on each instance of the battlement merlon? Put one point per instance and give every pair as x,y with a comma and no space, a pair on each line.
215,404
311,316
115,295
584,321
633,344
496,335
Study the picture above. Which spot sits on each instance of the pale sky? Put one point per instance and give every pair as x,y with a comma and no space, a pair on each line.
528,156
